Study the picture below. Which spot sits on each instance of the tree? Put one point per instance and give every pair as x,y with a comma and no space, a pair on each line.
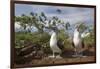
24,20
82,26
39,21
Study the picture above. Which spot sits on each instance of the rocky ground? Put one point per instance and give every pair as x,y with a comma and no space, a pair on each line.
66,59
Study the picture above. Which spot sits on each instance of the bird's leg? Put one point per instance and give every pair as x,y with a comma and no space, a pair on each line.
58,56
54,55
76,53
81,54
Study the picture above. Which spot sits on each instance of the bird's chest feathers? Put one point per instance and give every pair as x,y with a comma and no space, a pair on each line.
53,39
77,38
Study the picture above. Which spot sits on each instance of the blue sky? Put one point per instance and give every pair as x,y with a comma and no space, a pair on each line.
68,14
71,14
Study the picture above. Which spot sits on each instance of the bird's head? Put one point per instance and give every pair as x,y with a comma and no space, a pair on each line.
77,27
55,29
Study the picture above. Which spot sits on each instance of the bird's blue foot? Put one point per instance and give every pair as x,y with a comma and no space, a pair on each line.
58,56
52,56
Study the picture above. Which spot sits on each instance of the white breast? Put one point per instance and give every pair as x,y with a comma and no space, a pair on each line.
77,38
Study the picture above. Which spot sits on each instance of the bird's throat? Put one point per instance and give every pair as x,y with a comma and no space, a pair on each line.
54,36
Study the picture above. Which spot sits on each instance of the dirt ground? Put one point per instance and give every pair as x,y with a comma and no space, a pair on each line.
66,59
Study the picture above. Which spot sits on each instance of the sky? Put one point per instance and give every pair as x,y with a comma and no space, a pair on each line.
68,14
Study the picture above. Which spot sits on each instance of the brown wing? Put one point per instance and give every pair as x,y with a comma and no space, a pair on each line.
73,44
60,44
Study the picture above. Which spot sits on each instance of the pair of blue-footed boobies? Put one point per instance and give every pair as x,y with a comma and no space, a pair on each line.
77,42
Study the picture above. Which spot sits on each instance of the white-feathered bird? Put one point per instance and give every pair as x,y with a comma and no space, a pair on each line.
77,42
55,45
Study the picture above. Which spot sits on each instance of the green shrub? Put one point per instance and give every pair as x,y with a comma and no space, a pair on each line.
35,37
